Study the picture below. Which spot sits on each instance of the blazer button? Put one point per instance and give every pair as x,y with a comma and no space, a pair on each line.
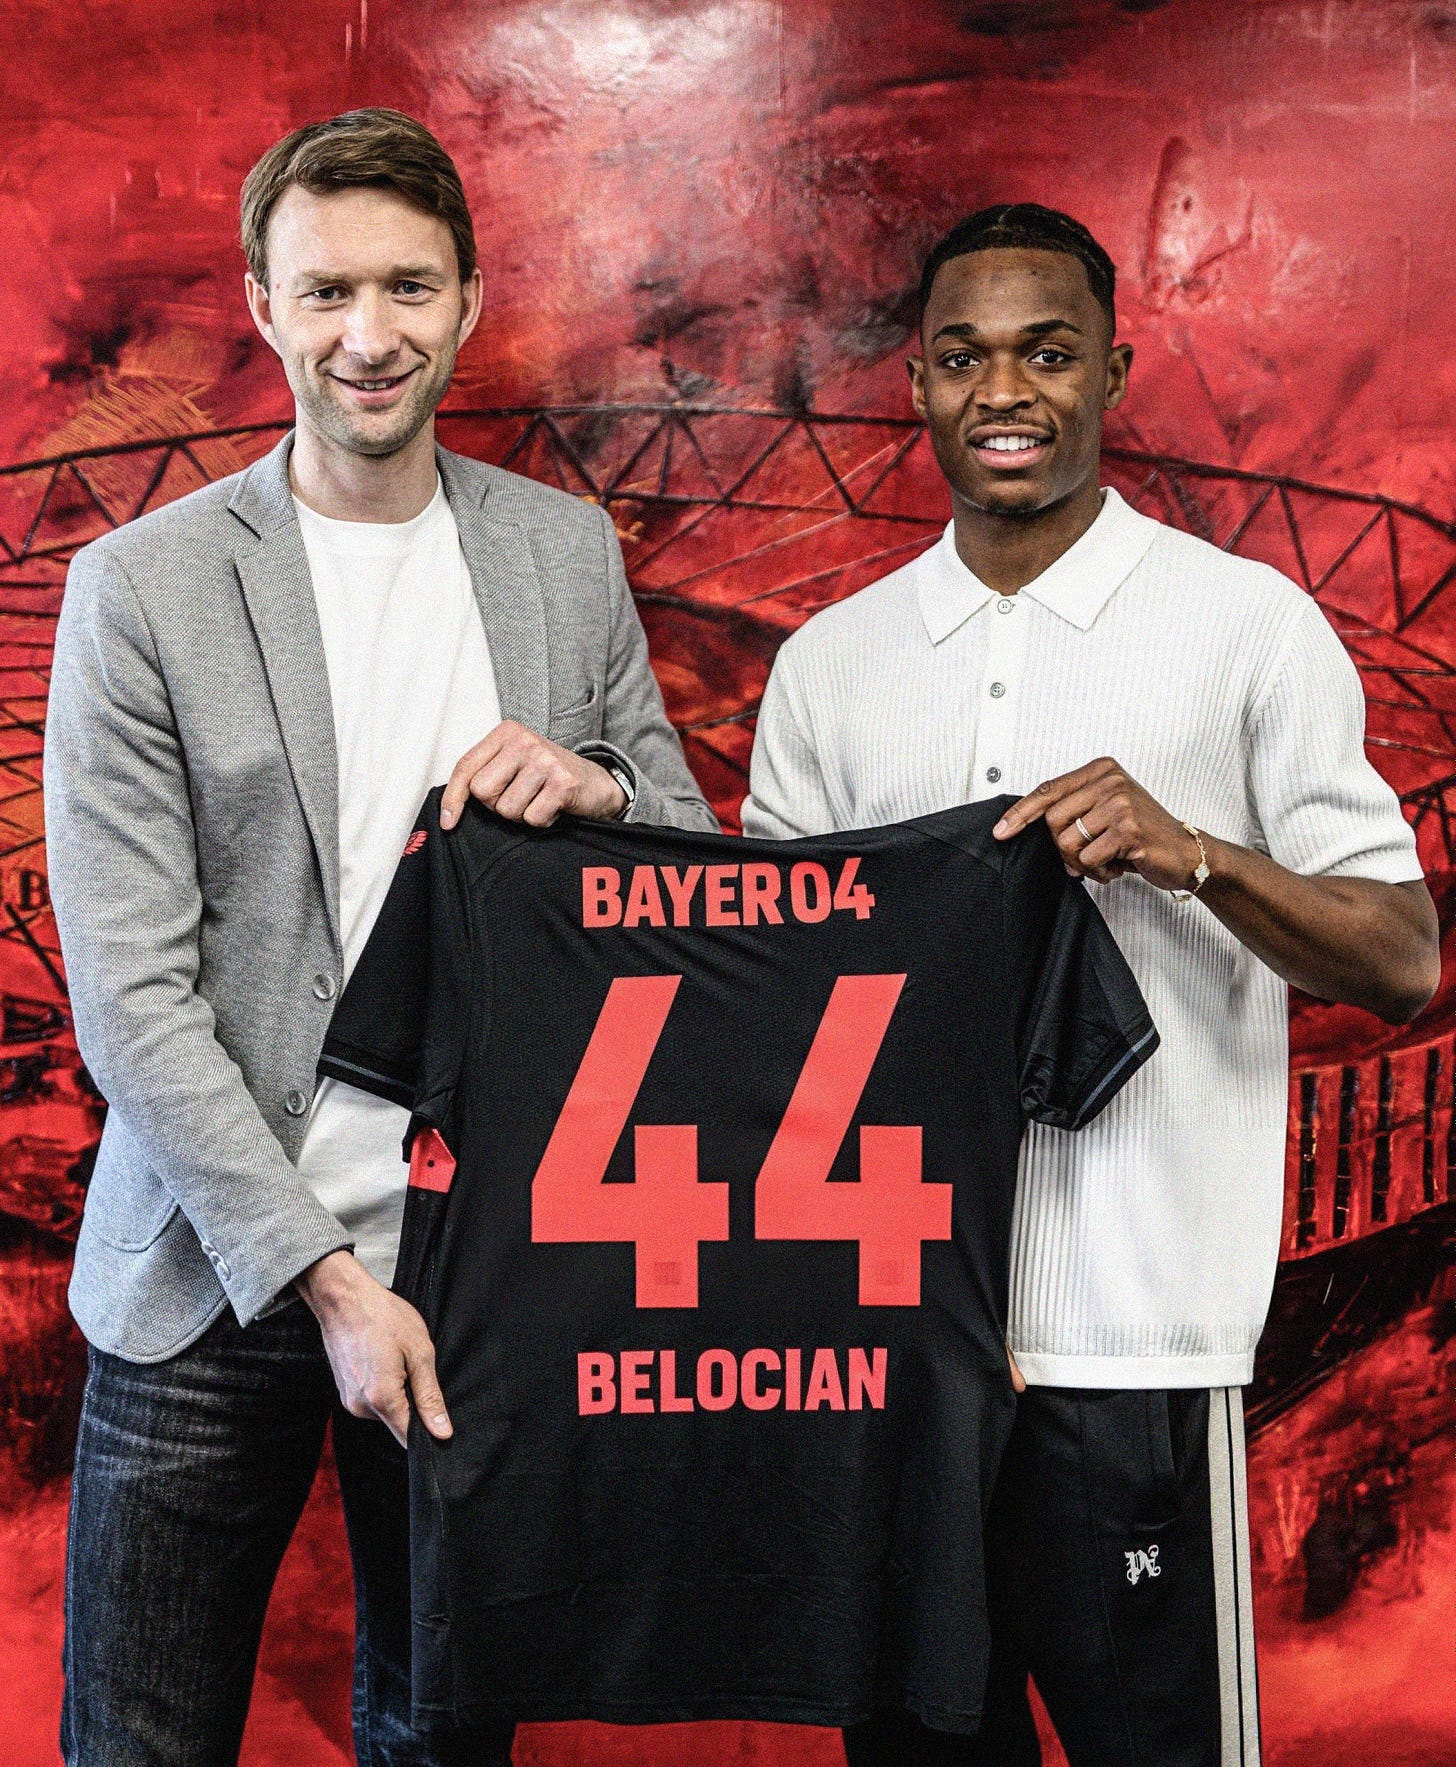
219,1263
323,987
295,1103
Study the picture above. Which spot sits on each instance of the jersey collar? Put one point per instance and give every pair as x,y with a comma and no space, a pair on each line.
1076,587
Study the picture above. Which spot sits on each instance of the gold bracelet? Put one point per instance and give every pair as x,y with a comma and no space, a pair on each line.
1200,871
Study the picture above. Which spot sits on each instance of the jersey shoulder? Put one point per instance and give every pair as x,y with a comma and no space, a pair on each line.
968,828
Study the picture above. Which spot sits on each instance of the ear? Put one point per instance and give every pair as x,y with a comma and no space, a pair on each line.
1119,366
915,368
261,309
472,292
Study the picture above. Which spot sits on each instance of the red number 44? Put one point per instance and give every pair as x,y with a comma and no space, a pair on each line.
666,1213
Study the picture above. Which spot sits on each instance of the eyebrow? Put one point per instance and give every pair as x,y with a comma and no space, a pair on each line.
397,273
1040,328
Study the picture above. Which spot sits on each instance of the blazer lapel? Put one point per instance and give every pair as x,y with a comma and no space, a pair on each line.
508,590
278,589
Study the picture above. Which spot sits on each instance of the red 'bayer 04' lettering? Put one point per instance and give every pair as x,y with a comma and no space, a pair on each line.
752,894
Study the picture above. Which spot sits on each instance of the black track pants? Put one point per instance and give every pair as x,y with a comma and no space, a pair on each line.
1117,1563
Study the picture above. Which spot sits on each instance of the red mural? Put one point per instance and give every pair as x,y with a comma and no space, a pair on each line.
701,222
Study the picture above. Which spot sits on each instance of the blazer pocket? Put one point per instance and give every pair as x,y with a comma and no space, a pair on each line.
128,1208
578,720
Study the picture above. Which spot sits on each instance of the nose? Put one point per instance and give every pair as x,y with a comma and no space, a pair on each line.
369,333
1002,386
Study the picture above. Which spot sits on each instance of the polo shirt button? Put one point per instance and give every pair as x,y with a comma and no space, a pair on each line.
295,1103
997,689
1005,605
993,774
323,987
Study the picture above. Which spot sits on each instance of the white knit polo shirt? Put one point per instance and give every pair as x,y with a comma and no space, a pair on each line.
1144,1246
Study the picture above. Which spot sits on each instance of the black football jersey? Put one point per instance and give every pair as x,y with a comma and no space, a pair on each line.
713,1153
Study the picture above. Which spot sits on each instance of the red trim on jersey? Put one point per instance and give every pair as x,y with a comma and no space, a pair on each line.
432,1165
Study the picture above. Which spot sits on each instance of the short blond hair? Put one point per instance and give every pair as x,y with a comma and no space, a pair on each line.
374,149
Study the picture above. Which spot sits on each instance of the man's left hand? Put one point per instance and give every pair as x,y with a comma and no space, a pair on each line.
1122,828
525,778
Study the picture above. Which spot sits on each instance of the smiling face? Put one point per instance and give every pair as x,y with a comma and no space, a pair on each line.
365,307
1018,369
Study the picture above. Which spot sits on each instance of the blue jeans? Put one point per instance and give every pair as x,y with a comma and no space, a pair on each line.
190,1478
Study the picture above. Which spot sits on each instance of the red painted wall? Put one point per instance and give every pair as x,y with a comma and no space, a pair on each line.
726,204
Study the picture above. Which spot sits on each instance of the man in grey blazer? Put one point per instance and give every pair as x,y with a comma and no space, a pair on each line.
236,679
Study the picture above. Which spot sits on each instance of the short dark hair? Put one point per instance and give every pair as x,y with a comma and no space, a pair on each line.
1025,226
377,148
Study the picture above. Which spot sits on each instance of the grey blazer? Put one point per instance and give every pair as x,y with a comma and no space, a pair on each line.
192,834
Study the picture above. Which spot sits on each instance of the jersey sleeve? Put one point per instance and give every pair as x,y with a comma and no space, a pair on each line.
399,1025
1082,1026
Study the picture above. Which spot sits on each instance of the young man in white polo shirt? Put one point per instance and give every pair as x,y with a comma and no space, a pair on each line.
1190,729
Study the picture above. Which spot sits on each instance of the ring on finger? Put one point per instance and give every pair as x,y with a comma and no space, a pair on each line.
1083,830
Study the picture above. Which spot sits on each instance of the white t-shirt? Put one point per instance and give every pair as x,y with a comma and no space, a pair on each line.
1144,1245
412,687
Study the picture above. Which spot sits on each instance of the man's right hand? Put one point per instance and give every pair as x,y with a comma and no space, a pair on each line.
378,1347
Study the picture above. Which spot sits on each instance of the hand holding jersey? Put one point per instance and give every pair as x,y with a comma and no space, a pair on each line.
1339,938
1105,825
378,1348
525,778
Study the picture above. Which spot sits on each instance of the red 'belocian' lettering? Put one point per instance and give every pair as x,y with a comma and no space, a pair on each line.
759,1380
753,894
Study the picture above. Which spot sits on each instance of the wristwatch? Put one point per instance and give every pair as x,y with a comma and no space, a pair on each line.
611,762
623,777
1200,871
